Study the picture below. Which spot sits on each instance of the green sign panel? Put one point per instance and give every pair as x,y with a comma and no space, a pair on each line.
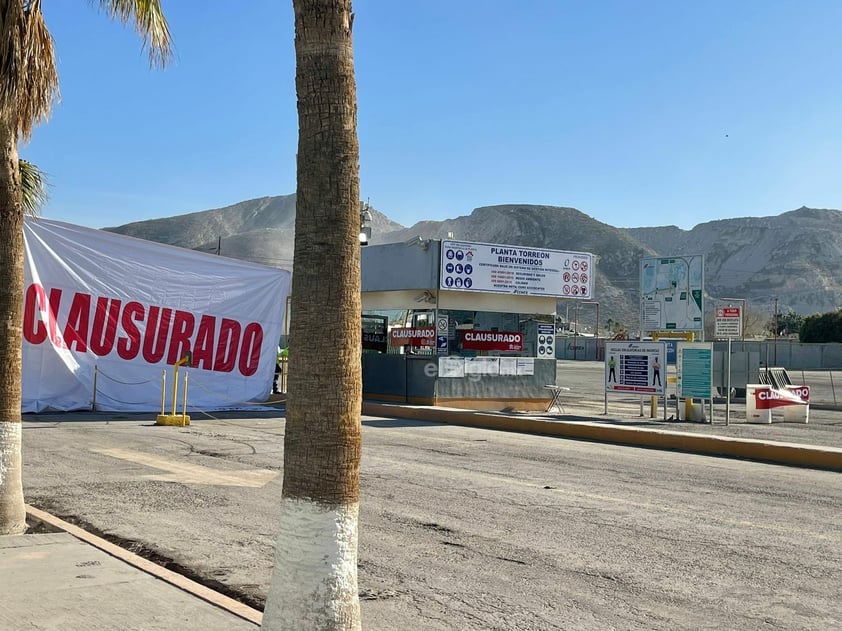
695,370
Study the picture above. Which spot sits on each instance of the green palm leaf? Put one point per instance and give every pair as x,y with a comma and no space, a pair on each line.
33,184
149,22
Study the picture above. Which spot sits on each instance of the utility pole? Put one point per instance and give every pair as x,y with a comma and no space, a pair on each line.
775,343
596,330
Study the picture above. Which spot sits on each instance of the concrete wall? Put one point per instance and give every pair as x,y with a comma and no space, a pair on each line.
580,348
514,388
400,378
790,354
397,266
384,376
785,353
745,366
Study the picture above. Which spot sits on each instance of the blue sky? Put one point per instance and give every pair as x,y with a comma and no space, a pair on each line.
638,113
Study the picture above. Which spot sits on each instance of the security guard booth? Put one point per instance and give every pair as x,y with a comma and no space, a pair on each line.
471,325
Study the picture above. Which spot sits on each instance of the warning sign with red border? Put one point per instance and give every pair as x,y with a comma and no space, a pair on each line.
728,322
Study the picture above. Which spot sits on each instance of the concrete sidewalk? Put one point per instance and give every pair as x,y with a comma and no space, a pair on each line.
69,579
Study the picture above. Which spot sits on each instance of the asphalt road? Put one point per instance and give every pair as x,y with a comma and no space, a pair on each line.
472,529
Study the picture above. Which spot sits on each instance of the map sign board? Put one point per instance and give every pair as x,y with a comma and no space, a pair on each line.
635,367
514,269
671,293
694,370
728,322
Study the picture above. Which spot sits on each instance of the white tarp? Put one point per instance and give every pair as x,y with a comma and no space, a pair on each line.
127,309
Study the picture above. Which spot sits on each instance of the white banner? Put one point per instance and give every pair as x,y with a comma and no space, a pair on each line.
127,309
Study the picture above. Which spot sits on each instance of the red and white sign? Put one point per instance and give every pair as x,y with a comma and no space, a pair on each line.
728,322
413,336
126,309
492,340
770,398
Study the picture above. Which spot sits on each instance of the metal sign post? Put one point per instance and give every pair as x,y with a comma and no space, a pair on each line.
729,324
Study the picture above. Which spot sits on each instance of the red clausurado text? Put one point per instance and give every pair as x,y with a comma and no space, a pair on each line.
102,325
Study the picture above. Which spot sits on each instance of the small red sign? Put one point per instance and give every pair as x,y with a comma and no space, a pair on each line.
414,336
473,339
624,388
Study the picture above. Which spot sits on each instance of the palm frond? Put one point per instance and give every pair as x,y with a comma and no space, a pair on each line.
149,22
40,77
28,77
33,184
11,26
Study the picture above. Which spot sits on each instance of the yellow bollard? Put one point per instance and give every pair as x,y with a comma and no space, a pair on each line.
174,388
175,419
163,390
184,418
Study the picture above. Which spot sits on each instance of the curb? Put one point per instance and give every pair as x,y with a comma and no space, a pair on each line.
177,580
826,458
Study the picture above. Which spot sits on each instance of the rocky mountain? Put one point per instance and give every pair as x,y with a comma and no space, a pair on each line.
795,257
258,230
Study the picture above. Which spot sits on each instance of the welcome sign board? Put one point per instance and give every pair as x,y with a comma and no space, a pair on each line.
512,269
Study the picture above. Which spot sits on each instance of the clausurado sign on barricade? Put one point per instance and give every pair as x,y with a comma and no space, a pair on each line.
127,309
762,399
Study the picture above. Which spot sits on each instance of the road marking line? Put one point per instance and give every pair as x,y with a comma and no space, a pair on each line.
191,473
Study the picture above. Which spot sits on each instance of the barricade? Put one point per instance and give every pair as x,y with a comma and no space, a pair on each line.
753,414
798,413
762,399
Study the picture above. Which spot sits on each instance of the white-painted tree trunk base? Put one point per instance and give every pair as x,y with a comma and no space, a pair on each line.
314,583
12,508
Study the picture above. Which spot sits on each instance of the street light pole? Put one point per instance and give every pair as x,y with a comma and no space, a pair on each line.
365,222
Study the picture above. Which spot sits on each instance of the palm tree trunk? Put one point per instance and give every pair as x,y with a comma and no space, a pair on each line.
12,509
314,585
